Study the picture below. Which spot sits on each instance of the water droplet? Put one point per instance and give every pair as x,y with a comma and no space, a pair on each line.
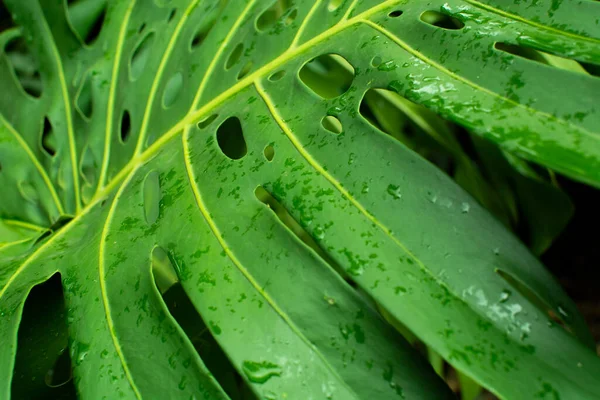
270,396
182,383
104,353
365,189
319,232
505,295
79,352
351,158
387,66
260,372
496,251
394,191
563,312
465,207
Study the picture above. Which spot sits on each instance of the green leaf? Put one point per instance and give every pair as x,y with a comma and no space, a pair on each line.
190,126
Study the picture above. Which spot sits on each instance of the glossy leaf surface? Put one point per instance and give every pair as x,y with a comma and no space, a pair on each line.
196,142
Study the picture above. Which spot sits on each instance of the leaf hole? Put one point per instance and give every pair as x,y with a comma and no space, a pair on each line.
541,57
395,14
87,19
46,234
201,34
172,90
328,75
334,5
277,76
245,70
61,222
269,152
125,126
284,216
172,15
43,331
389,112
291,17
442,20
198,332
140,55
231,140
95,28
83,99
234,57
48,138
152,195
332,124
24,66
271,15
207,121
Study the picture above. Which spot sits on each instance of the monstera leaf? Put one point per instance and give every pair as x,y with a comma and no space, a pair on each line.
218,154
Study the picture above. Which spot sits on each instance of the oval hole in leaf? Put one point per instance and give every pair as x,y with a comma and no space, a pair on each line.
152,195
230,138
334,4
271,15
83,100
125,126
87,18
163,272
43,331
95,29
269,152
328,75
48,138
402,119
332,124
541,57
291,17
202,32
172,15
172,90
442,20
277,76
24,66
198,332
284,216
140,56
245,70
395,14
235,55
207,121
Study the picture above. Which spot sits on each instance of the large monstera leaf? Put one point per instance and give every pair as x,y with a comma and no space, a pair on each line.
202,143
